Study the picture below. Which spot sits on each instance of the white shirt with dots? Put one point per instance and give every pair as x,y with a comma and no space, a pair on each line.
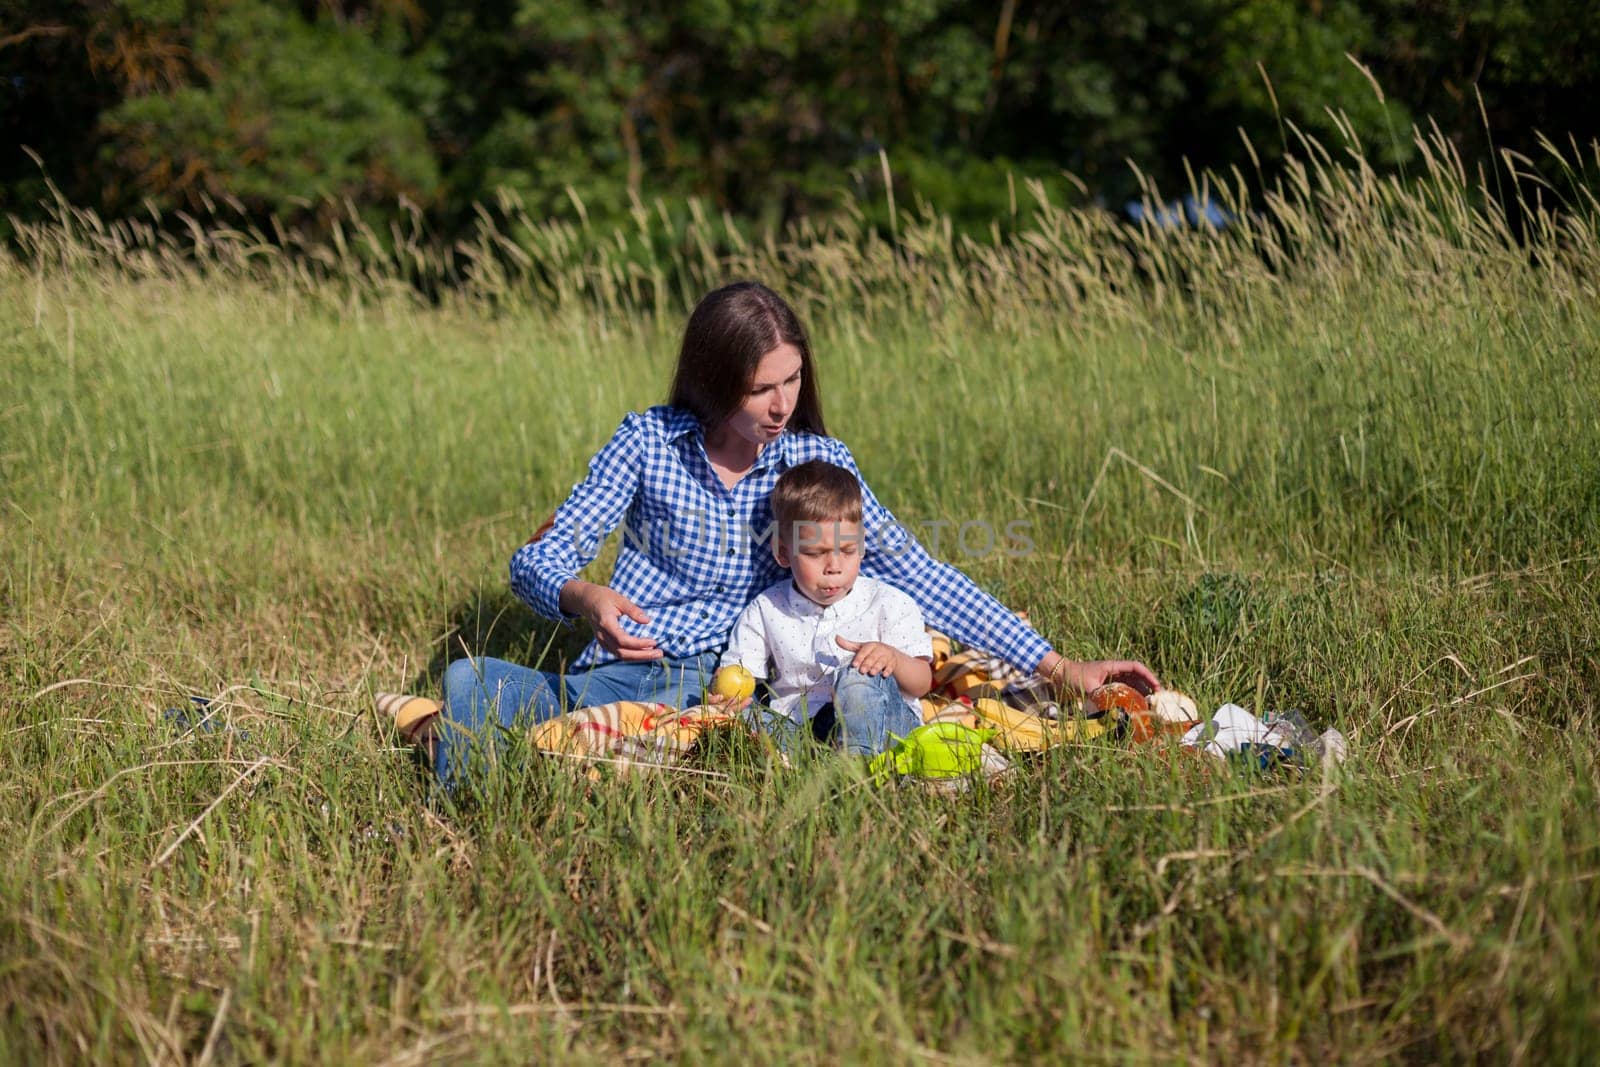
788,639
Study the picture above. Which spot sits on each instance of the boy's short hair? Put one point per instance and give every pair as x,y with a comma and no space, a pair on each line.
814,491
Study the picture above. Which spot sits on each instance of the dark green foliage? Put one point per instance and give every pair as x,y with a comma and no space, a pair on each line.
326,111
769,111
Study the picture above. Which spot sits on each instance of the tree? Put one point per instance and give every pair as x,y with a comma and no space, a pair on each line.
252,100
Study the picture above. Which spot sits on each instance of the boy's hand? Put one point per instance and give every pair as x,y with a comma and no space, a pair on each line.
872,657
730,705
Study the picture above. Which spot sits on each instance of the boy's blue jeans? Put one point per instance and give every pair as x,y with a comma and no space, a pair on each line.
867,711
483,698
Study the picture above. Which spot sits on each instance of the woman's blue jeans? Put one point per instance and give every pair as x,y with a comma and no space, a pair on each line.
484,699
867,712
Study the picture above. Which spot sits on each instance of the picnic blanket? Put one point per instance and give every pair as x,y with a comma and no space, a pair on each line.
1007,711
971,687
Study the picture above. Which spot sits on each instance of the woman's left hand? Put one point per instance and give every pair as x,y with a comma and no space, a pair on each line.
1089,675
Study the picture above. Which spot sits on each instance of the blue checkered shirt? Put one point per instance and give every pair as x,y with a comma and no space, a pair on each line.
695,552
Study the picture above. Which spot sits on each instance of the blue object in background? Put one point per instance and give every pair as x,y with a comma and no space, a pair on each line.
198,718
1264,757
1188,211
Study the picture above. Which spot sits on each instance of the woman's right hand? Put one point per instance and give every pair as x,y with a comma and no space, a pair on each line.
604,607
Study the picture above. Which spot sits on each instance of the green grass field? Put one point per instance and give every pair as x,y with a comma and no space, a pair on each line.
1344,457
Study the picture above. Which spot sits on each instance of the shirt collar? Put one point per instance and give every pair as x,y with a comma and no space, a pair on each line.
848,607
676,422
777,453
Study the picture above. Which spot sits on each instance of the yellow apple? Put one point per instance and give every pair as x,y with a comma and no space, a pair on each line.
733,682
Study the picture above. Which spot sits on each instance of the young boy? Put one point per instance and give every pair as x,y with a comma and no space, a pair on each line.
841,652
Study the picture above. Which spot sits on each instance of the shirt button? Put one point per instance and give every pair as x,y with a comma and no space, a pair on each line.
722,589
705,614
732,510
733,551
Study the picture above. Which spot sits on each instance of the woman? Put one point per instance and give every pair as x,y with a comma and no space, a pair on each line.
688,482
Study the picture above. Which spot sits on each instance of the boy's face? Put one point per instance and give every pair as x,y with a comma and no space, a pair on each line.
824,557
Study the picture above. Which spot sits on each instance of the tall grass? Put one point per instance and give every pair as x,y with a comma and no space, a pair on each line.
1342,455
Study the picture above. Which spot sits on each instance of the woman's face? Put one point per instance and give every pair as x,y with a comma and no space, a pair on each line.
770,399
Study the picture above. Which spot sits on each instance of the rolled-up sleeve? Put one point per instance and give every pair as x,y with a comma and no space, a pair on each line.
950,601
581,524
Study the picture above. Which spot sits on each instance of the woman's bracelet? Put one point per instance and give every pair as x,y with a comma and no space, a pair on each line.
1055,677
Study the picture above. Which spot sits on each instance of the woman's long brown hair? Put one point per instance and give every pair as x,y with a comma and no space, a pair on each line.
728,333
